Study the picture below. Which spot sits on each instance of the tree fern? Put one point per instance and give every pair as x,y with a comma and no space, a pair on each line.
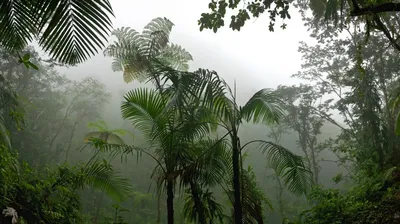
111,136
134,53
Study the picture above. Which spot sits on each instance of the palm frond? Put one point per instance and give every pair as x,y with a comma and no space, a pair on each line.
101,175
264,106
144,108
253,198
70,31
4,136
289,166
211,161
16,28
254,201
213,211
203,86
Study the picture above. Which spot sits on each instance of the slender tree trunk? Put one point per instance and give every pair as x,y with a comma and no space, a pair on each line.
170,202
158,207
314,164
280,197
197,203
237,204
70,142
96,218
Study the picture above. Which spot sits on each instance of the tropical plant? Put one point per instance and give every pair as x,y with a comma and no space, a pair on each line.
266,107
135,53
168,132
305,117
253,200
51,195
109,136
211,210
158,110
9,106
70,31
206,166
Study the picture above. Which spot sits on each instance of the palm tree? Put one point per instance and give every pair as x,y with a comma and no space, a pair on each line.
168,131
140,56
212,210
264,106
135,53
70,31
206,166
253,199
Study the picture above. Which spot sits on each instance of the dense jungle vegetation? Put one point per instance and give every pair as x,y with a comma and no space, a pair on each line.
181,146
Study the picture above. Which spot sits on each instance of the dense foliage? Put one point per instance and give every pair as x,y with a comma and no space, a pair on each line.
323,151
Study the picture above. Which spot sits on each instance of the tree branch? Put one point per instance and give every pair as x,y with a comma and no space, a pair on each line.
386,32
384,7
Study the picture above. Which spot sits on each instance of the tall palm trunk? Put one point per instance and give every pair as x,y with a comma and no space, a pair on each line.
158,207
197,202
170,202
237,204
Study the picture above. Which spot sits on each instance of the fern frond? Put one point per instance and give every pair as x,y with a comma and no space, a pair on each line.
136,53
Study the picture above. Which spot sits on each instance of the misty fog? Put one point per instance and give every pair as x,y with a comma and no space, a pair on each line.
299,125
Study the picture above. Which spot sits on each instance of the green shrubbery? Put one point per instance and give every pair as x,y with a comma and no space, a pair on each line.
371,201
38,196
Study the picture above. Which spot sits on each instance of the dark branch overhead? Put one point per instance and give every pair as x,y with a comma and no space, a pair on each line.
384,7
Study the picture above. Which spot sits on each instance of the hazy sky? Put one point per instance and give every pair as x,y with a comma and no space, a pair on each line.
255,57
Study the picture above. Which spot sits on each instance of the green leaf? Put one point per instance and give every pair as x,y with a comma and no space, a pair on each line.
398,124
32,65
26,57
70,31
26,64
135,53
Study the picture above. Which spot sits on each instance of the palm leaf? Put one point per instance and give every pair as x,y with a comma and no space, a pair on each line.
70,31
211,162
144,108
264,106
253,198
102,176
213,211
289,166
4,137
254,201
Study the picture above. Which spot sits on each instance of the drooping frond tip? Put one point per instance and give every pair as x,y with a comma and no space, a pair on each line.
264,106
297,177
